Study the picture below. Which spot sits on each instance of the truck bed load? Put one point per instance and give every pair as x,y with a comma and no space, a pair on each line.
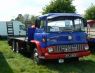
14,28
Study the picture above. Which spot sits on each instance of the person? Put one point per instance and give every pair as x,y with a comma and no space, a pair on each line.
31,31
33,26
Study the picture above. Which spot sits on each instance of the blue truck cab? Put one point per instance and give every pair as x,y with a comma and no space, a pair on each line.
59,36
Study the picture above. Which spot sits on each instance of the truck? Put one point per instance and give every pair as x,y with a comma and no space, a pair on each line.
56,36
91,34
11,28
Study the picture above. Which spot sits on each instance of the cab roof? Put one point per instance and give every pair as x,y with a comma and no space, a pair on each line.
52,15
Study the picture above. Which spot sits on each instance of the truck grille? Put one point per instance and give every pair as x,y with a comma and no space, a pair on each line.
69,48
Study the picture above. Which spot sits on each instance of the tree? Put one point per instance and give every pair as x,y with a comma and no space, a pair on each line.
33,18
27,17
59,6
20,18
90,13
12,20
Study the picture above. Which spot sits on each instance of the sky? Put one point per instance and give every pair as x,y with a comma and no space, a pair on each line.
9,9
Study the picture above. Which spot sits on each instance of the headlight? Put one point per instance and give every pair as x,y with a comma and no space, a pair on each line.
69,37
50,49
86,47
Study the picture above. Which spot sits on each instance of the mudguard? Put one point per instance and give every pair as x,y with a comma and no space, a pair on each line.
38,46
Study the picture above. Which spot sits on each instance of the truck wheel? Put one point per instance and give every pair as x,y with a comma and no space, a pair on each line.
36,58
13,46
17,47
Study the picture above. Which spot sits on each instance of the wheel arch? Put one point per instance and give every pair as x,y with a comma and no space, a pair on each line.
36,44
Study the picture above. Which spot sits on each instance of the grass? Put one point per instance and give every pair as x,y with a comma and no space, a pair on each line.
11,62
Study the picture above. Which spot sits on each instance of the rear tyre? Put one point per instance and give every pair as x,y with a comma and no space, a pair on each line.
13,46
17,47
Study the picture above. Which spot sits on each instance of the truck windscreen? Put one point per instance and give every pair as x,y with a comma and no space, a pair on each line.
65,24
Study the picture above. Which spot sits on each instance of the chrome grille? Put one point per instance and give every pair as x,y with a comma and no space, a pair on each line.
69,48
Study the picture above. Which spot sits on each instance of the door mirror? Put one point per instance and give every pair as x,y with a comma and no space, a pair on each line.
85,22
37,23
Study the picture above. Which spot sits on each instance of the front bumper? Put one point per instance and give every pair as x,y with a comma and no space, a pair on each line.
66,55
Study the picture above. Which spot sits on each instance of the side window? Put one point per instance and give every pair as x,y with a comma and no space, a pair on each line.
78,23
37,23
42,23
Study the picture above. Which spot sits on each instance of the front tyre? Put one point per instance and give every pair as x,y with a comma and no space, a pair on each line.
36,58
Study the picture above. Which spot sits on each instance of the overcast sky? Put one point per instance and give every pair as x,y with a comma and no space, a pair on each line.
9,9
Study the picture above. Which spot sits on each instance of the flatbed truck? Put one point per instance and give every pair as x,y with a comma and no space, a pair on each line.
56,36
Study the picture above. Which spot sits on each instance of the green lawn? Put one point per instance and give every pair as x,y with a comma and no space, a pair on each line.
11,62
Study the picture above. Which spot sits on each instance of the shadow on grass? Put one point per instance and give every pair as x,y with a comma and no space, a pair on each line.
4,67
93,53
84,66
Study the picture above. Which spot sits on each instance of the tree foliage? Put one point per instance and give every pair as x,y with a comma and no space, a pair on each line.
20,18
90,13
26,19
59,6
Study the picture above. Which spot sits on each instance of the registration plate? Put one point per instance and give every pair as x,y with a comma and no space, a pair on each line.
70,55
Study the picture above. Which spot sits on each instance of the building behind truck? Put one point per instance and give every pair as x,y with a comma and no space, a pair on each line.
11,28
57,36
